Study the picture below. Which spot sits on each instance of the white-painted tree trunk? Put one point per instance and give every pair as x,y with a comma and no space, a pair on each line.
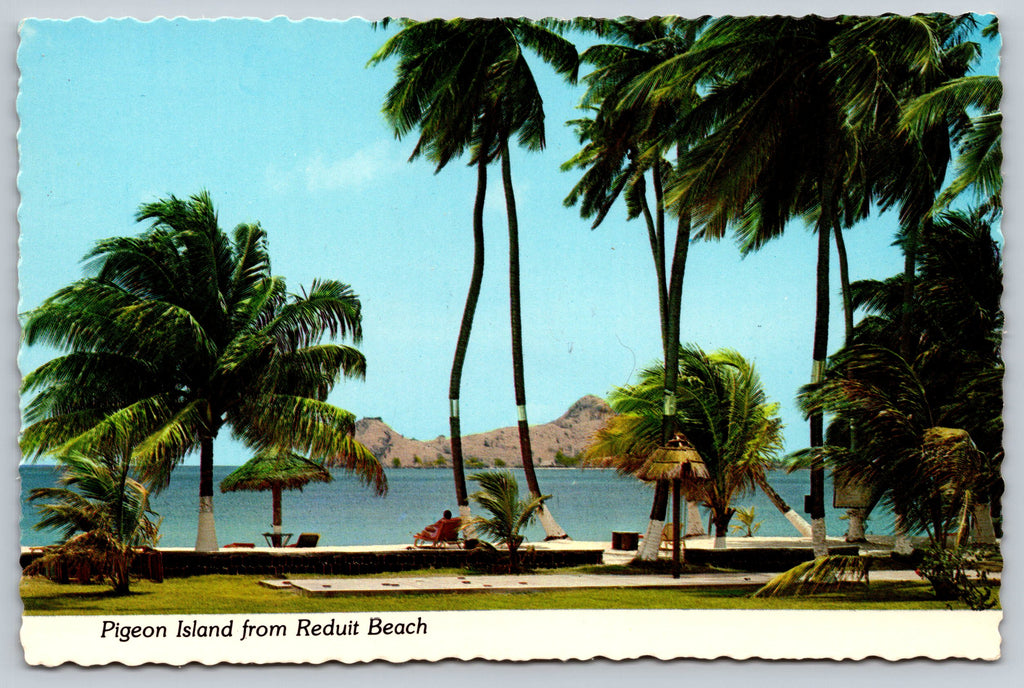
720,542
855,529
694,526
798,522
651,543
466,515
206,535
552,531
984,528
818,536
902,544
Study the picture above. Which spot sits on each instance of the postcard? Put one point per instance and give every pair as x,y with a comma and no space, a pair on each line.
509,338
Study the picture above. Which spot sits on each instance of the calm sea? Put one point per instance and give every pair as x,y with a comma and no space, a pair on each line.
589,504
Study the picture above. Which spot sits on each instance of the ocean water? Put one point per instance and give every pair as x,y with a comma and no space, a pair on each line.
589,504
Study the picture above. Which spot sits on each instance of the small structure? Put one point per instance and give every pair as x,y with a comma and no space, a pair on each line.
275,471
679,462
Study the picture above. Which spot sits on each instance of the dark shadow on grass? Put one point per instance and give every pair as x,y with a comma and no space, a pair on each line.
74,602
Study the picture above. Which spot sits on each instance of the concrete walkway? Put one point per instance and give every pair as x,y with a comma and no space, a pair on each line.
331,587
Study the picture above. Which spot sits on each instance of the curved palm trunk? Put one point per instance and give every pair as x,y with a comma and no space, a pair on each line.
458,471
552,530
798,521
816,506
206,535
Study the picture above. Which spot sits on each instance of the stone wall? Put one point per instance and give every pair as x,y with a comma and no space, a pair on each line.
254,562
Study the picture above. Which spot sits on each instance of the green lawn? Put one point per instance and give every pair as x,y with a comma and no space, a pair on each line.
225,594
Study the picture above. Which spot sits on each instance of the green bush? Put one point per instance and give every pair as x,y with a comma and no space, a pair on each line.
498,463
949,572
566,461
396,462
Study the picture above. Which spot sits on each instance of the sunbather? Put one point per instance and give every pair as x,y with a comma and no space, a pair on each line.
443,529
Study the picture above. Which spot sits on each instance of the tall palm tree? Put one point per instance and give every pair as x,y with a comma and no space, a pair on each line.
624,143
216,340
434,57
721,409
466,83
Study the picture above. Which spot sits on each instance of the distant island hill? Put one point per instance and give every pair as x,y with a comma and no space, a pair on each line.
558,443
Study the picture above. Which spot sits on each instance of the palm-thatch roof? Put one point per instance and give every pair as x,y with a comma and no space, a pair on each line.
282,469
676,460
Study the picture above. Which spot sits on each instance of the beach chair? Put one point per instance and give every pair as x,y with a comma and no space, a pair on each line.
668,534
446,533
306,540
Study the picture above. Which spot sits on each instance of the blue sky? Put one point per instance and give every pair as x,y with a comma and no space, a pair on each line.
280,121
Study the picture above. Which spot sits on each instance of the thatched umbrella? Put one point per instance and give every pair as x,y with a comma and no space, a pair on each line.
275,471
679,462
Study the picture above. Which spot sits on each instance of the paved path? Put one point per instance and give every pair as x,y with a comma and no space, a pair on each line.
330,587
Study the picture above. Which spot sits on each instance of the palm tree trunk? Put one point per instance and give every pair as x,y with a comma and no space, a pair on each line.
206,535
816,507
458,471
552,530
775,498
909,276
276,525
856,515
652,538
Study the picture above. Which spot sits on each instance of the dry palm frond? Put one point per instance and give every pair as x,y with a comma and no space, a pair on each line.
819,575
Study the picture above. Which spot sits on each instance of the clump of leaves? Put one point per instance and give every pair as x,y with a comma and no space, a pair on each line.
950,573
746,521
499,496
823,574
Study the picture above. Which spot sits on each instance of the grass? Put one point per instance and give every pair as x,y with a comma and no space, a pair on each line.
226,594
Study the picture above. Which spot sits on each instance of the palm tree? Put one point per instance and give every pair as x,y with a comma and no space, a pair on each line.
622,144
958,326
103,513
216,339
930,474
721,409
798,113
465,83
499,496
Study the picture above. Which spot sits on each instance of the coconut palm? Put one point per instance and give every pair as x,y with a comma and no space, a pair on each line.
623,142
721,409
217,340
103,515
499,496
466,84
979,138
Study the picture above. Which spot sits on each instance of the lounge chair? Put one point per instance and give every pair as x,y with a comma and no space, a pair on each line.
306,540
447,532
668,534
